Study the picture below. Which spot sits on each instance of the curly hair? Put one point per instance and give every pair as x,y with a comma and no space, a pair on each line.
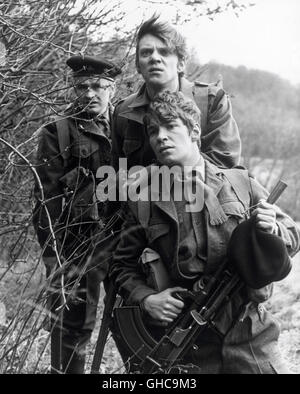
163,30
167,106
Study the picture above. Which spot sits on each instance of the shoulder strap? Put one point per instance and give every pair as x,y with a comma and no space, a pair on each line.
240,181
64,140
200,92
143,213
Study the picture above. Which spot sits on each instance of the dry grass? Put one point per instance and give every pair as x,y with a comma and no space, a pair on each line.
286,307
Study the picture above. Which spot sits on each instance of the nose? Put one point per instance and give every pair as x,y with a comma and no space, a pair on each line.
89,93
155,56
162,135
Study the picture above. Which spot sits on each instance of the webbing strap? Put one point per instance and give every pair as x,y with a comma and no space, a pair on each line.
144,213
200,94
64,140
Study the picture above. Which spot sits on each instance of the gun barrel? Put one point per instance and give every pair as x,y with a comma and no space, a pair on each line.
276,192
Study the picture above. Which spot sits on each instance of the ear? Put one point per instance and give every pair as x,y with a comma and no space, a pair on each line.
112,90
181,65
196,133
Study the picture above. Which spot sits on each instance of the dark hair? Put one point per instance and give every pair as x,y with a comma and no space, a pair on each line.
165,32
167,106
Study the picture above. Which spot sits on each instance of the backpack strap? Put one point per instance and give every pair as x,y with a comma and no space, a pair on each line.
200,93
143,211
64,139
197,91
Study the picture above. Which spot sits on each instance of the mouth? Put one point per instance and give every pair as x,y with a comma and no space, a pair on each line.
155,70
165,149
91,104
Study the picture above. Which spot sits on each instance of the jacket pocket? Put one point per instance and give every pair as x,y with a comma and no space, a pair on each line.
84,148
233,208
155,270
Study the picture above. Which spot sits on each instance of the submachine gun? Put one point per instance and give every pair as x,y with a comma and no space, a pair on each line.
150,356
145,354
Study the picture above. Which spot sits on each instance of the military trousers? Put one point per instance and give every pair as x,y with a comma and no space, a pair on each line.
82,275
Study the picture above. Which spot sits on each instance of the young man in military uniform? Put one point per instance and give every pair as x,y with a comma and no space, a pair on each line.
66,216
193,243
161,54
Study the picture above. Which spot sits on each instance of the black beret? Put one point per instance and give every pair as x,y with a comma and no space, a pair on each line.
90,65
260,258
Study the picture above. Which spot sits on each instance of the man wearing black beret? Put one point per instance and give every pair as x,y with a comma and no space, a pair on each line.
190,216
67,216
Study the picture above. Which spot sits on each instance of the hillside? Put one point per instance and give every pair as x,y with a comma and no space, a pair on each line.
265,106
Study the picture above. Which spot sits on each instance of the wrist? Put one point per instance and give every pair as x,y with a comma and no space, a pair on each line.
143,304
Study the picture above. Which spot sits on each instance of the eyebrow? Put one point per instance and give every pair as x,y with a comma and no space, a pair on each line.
148,45
96,82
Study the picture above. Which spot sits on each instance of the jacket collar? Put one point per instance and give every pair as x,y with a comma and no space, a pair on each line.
90,126
85,124
156,194
137,109
141,99
186,87
213,178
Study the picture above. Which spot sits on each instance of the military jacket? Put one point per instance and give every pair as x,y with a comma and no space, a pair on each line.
220,140
62,180
161,234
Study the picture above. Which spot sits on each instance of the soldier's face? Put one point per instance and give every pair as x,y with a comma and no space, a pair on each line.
173,143
94,94
157,63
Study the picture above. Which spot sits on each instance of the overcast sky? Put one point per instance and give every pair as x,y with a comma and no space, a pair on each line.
265,36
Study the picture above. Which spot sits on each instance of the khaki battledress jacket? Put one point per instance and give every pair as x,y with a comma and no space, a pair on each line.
250,346
220,140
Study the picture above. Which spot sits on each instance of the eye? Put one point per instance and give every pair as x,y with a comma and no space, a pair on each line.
146,52
171,125
81,86
152,130
164,51
96,86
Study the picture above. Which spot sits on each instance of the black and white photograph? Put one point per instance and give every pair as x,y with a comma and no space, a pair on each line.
149,190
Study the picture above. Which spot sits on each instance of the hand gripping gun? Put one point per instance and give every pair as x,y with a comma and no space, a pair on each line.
149,356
